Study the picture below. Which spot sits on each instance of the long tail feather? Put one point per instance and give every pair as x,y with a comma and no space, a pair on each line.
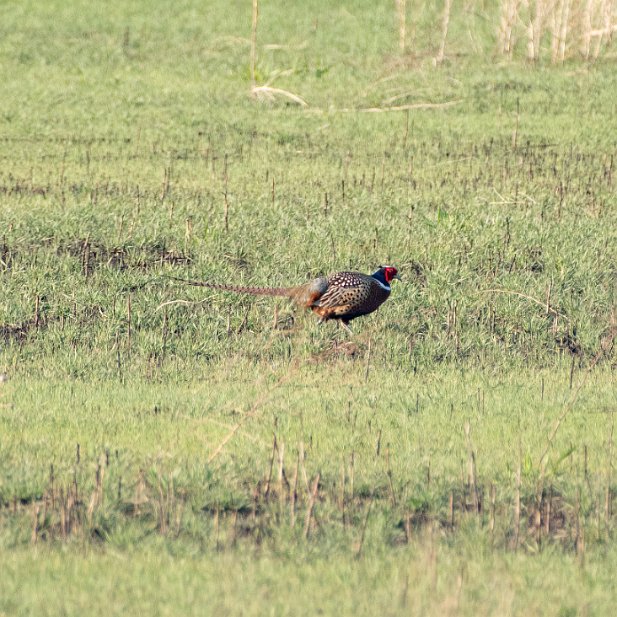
287,292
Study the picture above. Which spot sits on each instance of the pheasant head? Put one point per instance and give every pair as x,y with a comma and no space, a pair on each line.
386,274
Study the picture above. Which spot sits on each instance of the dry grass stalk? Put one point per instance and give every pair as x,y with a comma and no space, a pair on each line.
225,211
96,499
268,94
233,533
166,183
254,40
275,317
493,497
352,474
35,522
471,473
140,497
401,10
579,540
278,46
534,31
444,31
269,480
311,506
605,33
37,305
547,513
407,527
301,457
217,527
293,492
559,29
188,233
128,320
368,363
517,505
563,32
281,476
163,518
587,27
377,110
358,551
609,477
583,25
509,12
341,500
390,478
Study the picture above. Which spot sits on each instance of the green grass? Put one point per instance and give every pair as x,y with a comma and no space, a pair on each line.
426,580
160,445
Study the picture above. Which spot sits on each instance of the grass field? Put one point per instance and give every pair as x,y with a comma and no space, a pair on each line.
169,450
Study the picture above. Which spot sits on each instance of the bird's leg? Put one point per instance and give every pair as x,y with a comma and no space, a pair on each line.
345,325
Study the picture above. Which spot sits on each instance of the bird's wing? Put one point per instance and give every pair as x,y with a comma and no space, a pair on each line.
337,296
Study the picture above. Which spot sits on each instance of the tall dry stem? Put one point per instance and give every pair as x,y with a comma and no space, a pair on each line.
254,40
563,31
401,10
582,25
517,504
534,30
444,31
311,506
509,13
587,28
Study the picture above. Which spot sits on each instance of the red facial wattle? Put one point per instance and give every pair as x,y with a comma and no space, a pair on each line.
390,273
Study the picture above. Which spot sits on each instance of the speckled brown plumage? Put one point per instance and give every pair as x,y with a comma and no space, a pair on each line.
343,296
350,295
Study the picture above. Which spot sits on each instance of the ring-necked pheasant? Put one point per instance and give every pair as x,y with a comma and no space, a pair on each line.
343,296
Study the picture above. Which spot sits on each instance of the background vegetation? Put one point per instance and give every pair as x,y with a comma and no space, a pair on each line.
171,450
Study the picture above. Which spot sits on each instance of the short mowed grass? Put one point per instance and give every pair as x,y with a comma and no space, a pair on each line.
166,449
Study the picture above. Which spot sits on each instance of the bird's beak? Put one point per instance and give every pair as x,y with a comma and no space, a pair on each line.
397,276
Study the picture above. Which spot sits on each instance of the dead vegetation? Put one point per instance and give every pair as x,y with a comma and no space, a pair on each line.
557,29
287,495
